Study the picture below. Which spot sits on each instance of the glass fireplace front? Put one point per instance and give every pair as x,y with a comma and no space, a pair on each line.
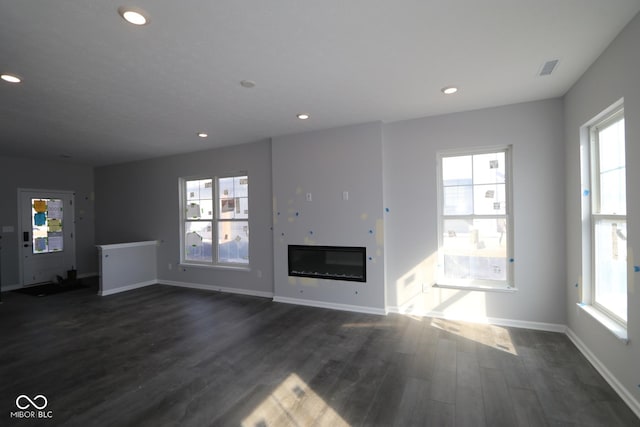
328,262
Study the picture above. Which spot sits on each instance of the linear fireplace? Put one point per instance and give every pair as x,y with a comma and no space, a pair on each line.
328,262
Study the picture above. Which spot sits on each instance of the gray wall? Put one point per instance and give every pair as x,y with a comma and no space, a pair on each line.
535,131
139,201
613,76
46,175
325,164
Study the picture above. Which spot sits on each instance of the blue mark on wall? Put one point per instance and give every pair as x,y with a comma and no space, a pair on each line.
585,193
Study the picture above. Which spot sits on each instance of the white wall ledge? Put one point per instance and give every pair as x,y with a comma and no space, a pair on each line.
129,245
486,288
611,325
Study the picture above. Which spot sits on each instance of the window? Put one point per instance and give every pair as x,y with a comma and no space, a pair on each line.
475,224
608,220
215,210
46,225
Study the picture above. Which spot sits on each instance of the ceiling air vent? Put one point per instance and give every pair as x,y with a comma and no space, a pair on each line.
548,67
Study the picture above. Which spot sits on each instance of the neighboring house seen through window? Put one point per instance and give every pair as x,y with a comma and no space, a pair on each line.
475,223
215,210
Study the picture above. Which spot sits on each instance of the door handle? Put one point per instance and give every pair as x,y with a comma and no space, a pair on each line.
25,236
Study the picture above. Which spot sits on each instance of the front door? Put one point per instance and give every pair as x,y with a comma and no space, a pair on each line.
47,227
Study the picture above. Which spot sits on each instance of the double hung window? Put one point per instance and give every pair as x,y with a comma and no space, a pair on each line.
215,220
475,223
608,217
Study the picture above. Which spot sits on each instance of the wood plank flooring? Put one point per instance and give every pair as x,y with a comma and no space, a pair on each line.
166,356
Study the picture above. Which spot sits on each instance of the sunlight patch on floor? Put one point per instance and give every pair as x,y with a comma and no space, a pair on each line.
489,335
293,402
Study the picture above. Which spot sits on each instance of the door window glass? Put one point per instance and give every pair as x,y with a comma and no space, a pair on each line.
46,225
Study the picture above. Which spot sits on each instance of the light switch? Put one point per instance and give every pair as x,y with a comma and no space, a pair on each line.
308,197
345,195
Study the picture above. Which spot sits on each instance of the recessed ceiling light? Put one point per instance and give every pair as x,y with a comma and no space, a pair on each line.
449,90
203,134
10,78
303,116
133,15
248,84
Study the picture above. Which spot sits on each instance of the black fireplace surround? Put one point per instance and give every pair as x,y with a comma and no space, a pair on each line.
328,262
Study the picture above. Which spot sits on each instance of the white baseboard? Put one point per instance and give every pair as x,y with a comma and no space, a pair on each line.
249,292
331,305
622,391
126,288
540,326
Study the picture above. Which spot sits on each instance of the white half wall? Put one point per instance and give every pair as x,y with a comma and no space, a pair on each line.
127,266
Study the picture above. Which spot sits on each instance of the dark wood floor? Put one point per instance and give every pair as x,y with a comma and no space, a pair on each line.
162,356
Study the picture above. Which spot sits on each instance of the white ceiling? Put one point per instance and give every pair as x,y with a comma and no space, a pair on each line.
104,91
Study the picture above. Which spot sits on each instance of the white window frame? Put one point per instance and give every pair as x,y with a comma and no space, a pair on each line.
591,216
215,221
507,285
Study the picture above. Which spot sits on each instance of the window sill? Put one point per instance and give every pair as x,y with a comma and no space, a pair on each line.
612,326
483,288
216,266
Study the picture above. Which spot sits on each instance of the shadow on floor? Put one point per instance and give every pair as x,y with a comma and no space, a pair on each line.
60,287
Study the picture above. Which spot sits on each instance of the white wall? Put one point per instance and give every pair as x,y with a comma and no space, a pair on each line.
46,175
613,76
325,164
139,201
535,131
